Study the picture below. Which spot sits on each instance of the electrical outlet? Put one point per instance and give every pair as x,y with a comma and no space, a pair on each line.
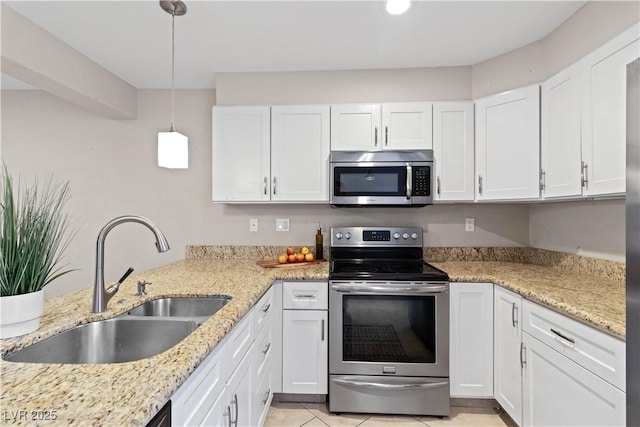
282,224
253,224
470,224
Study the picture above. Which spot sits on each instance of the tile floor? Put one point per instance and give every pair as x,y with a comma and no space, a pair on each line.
286,414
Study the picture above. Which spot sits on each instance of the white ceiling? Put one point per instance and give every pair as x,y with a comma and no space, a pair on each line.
132,39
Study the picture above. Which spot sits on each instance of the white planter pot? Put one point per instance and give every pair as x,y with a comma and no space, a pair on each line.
20,314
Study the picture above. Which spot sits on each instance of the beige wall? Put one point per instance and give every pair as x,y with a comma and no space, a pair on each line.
588,228
111,166
590,27
317,87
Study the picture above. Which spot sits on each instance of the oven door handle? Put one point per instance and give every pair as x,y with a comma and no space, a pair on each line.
373,289
364,384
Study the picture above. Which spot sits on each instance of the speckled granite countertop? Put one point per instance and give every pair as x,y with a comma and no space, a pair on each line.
130,394
595,300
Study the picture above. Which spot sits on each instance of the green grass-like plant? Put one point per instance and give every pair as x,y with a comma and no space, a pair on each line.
33,235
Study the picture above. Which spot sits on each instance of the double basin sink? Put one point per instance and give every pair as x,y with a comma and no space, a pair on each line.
141,332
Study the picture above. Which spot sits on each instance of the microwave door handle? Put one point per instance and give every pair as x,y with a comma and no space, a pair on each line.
409,181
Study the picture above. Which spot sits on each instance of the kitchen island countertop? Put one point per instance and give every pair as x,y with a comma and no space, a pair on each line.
131,393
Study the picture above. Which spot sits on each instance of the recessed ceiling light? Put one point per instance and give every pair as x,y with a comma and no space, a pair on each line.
398,7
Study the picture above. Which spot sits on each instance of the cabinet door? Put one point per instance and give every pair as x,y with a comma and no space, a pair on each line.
604,121
471,339
559,392
508,145
407,126
300,153
507,371
355,127
304,351
240,393
218,415
241,154
561,152
453,148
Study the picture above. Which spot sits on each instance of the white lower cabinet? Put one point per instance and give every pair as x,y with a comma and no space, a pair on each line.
239,393
305,337
507,338
471,340
559,392
233,386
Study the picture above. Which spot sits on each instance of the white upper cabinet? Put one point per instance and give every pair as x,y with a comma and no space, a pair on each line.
508,145
561,145
300,153
374,127
277,154
241,154
453,148
583,123
604,113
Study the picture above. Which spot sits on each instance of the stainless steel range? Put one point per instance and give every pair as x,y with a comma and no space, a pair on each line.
388,324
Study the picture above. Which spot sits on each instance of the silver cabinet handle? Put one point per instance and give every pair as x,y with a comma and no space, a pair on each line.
514,311
264,185
585,175
303,296
364,384
564,337
543,179
266,349
480,184
409,181
322,330
266,397
235,403
375,136
438,185
523,350
266,308
274,185
228,413
386,135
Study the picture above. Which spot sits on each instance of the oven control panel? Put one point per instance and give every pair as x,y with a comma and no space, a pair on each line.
376,236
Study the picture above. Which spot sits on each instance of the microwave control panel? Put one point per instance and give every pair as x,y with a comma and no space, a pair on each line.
421,181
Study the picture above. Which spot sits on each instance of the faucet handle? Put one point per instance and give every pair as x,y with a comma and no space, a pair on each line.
122,279
141,287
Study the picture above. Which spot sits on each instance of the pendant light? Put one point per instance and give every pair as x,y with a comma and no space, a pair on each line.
173,147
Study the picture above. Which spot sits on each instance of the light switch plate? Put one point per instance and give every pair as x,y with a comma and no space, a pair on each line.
282,224
253,224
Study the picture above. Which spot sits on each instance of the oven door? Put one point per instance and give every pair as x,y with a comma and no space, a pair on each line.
389,328
384,183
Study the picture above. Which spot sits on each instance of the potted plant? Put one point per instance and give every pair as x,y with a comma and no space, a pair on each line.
33,237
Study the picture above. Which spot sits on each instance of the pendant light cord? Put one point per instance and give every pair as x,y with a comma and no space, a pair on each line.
173,71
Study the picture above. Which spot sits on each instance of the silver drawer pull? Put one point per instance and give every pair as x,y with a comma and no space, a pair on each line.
303,296
266,308
373,385
266,348
564,337
266,397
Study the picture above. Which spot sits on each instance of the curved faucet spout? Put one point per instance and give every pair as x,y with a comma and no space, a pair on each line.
101,296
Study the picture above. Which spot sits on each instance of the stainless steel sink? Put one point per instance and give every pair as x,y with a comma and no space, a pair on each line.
181,307
107,341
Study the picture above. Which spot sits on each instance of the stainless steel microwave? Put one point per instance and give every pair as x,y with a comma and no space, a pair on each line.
381,178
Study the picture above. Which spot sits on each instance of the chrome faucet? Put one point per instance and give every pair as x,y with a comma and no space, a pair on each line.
101,296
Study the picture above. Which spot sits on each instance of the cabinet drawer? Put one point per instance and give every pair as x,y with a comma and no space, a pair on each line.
262,400
239,340
263,348
263,311
194,398
305,295
594,350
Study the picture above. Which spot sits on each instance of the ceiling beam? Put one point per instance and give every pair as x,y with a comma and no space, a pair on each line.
35,56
